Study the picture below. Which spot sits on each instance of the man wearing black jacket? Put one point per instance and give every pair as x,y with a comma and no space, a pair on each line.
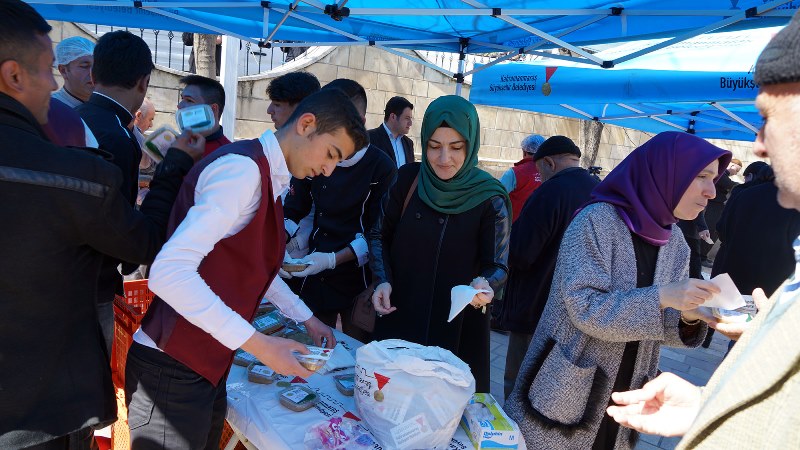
121,73
346,203
61,210
390,136
535,239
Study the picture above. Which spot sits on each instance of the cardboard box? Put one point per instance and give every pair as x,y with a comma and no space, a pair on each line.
487,425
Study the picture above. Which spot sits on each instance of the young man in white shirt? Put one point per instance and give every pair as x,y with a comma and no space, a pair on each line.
226,245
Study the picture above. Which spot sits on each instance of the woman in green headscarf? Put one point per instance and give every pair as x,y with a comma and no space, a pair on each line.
444,223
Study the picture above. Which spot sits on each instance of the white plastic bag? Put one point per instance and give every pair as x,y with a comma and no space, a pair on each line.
411,396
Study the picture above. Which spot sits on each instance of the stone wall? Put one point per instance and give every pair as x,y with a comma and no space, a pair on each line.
385,75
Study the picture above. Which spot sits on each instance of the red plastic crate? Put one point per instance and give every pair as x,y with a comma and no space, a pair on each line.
128,314
137,298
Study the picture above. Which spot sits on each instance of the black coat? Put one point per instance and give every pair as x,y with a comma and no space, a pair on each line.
346,203
757,235
535,240
108,122
380,138
62,210
423,254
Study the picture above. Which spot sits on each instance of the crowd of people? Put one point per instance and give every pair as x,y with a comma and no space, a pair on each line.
589,278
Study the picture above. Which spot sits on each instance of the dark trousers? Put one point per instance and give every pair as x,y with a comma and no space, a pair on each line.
170,406
712,214
517,347
329,319
80,440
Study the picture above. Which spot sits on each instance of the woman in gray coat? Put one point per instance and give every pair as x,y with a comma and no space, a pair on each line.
620,291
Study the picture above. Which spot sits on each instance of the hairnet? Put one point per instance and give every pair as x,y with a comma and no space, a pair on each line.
531,143
73,48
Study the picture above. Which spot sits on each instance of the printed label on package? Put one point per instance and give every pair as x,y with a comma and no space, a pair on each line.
410,431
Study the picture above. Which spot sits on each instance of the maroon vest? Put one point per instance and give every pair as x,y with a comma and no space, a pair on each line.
214,144
528,179
239,270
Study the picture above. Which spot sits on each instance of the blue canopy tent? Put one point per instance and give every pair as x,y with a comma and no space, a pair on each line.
505,28
703,86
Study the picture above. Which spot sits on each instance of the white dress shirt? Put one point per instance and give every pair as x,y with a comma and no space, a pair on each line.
397,145
227,196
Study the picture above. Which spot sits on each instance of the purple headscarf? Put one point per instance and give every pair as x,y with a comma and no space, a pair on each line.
647,185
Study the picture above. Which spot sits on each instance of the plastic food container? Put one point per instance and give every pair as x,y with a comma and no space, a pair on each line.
316,359
198,118
244,359
264,308
259,373
345,383
294,267
269,323
731,316
159,142
298,398
299,336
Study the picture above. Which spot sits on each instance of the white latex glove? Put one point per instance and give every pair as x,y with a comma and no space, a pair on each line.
317,262
282,273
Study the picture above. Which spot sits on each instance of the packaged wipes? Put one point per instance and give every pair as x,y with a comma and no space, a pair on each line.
487,425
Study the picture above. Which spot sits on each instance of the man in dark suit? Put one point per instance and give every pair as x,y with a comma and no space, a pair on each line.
391,135
121,72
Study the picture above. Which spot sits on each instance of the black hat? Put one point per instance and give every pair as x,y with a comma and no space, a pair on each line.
780,61
556,145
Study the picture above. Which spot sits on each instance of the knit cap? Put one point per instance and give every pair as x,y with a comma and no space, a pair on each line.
780,60
556,145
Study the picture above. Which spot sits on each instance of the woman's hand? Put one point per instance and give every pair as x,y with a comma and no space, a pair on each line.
687,294
380,299
481,299
734,331
700,313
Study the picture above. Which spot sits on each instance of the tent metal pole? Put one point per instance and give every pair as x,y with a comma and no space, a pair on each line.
463,43
319,6
205,26
576,110
657,119
705,120
321,25
553,39
561,57
265,23
229,75
527,49
416,60
502,48
492,63
524,26
487,11
283,19
725,22
733,116
659,111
